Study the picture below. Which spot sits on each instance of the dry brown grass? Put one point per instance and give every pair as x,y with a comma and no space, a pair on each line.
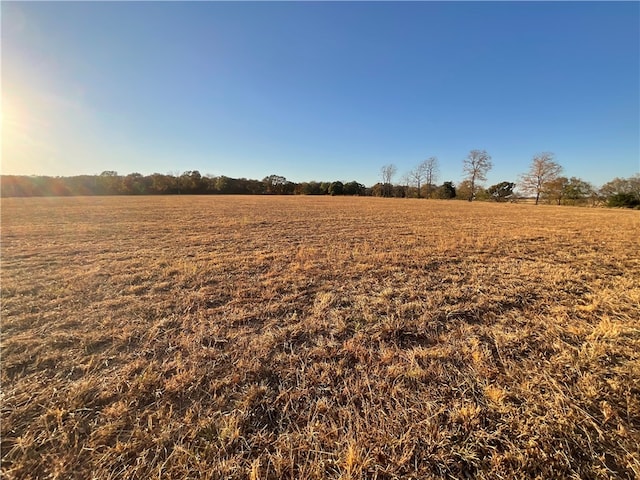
281,337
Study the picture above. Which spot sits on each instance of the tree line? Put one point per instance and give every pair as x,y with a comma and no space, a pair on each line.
543,182
188,183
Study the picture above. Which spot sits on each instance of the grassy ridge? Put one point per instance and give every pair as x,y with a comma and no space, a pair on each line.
296,337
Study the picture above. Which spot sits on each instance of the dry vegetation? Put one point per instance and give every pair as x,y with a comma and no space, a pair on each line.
297,337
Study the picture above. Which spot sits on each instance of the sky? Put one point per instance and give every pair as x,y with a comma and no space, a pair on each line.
319,90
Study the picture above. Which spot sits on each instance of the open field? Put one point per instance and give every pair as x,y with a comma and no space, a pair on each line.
302,337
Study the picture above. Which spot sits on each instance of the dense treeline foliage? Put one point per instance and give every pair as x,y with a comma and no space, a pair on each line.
189,183
619,192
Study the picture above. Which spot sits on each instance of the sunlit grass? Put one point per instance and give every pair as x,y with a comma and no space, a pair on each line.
282,337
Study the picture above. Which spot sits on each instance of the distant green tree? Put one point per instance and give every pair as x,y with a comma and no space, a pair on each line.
324,188
336,188
190,182
482,194
222,184
577,191
399,191
626,200
162,184
446,191
255,187
108,183
354,188
309,188
501,192
275,184
134,184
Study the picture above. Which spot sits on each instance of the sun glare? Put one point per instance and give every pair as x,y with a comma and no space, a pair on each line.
18,146
7,117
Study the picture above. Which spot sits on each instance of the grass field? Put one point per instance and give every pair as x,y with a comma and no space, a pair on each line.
301,337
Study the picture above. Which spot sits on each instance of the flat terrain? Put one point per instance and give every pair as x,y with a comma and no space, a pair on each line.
318,337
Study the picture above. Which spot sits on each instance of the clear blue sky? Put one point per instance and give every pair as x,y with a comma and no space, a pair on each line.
319,91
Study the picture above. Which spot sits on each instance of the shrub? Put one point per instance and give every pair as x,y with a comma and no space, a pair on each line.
627,200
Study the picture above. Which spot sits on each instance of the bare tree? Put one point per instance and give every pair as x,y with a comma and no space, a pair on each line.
544,170
405,181
426,172
387,173
476,166
416,177
431,173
